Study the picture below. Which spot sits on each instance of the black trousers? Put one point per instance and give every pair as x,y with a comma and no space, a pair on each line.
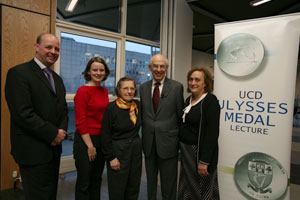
125,183
167,169
89,174
40,181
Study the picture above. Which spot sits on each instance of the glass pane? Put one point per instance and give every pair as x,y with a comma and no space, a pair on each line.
99,14
137,58
76,51
143,19
67,144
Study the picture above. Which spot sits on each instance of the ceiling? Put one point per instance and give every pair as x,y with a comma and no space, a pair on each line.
106,14
210,12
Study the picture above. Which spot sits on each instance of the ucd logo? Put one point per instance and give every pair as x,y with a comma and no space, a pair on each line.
260,176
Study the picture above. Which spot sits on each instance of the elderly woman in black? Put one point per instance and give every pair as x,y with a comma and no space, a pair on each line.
121,143
199,139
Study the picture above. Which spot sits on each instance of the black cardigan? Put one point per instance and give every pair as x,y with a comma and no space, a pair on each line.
209,111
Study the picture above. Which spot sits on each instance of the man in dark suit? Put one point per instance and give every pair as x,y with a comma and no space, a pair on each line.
162,104
36,100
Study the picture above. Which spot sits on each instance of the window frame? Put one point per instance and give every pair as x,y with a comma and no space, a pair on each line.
67,162
119,38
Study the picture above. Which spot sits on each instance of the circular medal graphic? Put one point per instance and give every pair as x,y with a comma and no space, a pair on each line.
240,54
260,176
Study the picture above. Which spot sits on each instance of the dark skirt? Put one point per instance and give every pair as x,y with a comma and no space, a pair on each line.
192,186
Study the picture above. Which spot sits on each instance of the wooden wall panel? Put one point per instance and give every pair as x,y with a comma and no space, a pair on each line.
53,16
19,31
40,6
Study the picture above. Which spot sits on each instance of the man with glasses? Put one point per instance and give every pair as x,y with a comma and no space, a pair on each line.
162,104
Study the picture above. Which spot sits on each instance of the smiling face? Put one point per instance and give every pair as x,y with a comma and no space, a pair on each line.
97,73
196,83
47,51
127,90
158,67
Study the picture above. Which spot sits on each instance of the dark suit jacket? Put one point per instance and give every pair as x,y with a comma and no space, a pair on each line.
165,122
36,113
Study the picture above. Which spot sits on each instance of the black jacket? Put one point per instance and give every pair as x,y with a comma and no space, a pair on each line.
208,131
36,113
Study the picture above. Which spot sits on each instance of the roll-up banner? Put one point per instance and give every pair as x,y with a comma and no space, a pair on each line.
254,80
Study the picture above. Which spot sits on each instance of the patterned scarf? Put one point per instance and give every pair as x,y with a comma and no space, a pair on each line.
133,110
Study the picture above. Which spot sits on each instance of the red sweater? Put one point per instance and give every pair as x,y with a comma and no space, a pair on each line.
90,103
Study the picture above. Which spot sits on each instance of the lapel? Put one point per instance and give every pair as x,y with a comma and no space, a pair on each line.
40,74
149,96
164,95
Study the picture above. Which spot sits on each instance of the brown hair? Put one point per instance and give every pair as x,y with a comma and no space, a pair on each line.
39,38
118,87
207,79
86,75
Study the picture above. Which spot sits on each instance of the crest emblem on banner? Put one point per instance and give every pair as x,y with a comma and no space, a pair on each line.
260,176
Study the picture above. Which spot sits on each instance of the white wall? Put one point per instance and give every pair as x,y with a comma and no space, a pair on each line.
182,41
201,59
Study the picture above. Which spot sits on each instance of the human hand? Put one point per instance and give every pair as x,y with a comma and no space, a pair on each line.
92,153
115,164
61,135
202,169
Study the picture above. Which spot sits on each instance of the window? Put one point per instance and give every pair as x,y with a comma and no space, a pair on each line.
68,143
76,51
96,29
105,15
143,19
139,56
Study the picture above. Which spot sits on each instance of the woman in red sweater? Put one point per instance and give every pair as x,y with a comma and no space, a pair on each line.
90,103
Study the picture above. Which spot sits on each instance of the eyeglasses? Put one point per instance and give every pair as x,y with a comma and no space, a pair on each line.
155,66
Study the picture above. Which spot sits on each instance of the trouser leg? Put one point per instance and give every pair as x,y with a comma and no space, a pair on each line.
151,172
96,176
134,178
168,177
117,180
88,183
40,181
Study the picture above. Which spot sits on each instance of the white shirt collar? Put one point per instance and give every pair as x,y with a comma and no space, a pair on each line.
161,82
187,109
40,64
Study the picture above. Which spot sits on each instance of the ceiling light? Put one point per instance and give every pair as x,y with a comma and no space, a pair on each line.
71,5
258,2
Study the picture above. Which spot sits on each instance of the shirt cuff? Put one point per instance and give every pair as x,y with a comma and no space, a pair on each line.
205,163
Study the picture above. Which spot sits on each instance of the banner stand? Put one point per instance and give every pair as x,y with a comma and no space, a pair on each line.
255,76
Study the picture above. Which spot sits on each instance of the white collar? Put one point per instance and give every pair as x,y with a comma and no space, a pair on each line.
161,82
40,64
187,109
